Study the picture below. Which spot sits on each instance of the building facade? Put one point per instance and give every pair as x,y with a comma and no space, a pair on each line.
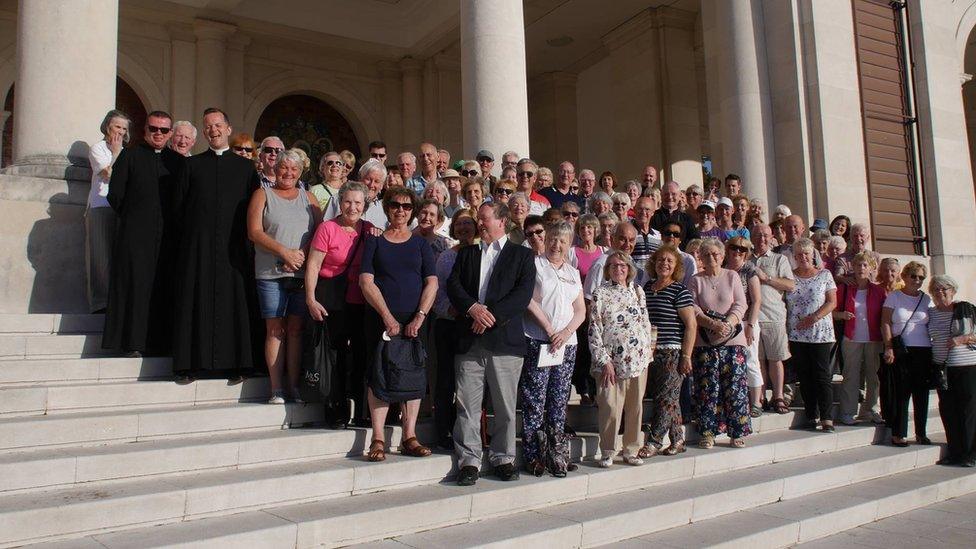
856,107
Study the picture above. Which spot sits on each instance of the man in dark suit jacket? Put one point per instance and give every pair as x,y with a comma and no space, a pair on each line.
492,284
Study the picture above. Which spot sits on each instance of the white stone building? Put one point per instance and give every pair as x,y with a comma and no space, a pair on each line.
857,107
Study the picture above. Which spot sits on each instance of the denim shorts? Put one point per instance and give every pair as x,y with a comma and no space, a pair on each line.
277,302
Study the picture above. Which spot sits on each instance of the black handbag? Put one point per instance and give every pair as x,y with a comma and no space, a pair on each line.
331,292
399,371
937,377
319,359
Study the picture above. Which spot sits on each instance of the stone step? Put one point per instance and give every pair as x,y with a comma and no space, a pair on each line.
81,428
63,370
157,500
51,345
41,399
797,521
688,481
12,323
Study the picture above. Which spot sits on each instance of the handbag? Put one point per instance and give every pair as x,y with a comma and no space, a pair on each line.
937,377
331,291
319,360
713,339
399,372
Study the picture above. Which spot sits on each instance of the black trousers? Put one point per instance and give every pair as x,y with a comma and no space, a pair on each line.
908,379
957,406
811,362
445,410
582,380
349,376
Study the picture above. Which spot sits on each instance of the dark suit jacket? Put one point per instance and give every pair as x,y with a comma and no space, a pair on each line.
509,291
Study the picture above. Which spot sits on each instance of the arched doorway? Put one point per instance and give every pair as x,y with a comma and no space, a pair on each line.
308,123
126,100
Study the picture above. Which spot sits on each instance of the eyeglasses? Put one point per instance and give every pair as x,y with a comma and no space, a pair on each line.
469,173
570,214
405,206
271,150
739,249
618,266
525,174
377,155
502,190
536,232
483,159
348,166
334,163
158,129
244,149
918,278
671,234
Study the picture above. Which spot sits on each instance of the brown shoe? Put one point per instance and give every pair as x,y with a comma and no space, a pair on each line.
377,451
412,447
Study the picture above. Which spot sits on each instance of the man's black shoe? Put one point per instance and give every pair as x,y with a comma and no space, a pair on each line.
467,476
506,471
968,463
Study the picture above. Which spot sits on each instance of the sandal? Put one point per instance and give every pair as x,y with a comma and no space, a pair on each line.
756,411
377,450
675,449
412,447
779,406
646,451
738,443
706,442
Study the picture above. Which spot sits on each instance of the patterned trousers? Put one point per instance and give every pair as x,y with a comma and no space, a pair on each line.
721,392
545,394
664,384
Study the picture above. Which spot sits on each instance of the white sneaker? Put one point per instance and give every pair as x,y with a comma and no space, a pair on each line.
606,462
633,460
276,398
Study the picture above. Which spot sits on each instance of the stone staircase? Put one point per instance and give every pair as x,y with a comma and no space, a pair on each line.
99,451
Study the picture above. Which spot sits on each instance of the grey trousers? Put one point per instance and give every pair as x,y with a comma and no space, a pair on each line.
100,226
502,373
861,363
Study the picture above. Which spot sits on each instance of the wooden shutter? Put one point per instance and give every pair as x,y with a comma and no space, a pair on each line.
889,136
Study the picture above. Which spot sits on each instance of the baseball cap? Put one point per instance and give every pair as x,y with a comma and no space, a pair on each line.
707,204
725,201
485,153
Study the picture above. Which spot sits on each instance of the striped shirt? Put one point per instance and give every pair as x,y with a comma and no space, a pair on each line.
940,329
647,244
662,308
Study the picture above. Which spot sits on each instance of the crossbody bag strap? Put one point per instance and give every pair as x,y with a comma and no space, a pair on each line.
909,319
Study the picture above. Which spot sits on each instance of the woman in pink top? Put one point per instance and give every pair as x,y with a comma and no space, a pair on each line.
332,294
587,252
721,391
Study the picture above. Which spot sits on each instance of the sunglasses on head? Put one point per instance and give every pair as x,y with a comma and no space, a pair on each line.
271,150
244,149
525,174
536,232
405,206
505,191
158,129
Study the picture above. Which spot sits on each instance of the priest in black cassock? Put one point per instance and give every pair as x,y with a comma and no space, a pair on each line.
137,319
216,315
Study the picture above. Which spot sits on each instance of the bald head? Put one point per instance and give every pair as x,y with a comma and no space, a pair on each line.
795,227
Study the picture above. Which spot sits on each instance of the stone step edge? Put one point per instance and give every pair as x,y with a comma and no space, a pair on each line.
446,504
789,532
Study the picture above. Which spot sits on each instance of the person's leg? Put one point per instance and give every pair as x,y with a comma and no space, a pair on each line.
707,390
921,358
964,399
470,375
532,388
610,402
655,381
823,371
355,320
557,391
902,392
950,419
871,361
754,376
293,351
853,354
581,369
274,337
735,391
337,408
445,411
802,367
377,415
100,225
502,375
411,409
632,394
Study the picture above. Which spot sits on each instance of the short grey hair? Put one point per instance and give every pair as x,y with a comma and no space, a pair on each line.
521,197
471,165
694,188
527,161
352,187
326,156
820,235
440,185
410,155
943,281
784,209
714,244
187,123
510,153
599,196
837,242
803,244
621,198
272,137
588,220
560,229
631,267
861,228
372,165
632,183
587,171
113,114
291,155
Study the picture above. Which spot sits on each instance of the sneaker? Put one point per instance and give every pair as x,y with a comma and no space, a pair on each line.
606,462
633,460
848,419
277,398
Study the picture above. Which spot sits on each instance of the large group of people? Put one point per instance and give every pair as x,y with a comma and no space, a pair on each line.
444,282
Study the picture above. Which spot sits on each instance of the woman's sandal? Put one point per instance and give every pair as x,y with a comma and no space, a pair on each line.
377,450
706,442
674,449
756,411
412,447
738,443
779,405
646,451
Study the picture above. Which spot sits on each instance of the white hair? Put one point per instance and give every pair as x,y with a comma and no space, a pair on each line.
784,209
291,155
372,165
410,155
272,137
181,123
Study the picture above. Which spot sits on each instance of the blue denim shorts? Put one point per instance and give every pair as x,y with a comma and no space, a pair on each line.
277,302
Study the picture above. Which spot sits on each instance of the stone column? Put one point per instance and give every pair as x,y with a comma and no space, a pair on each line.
4,115
66,59
235,80
554,122
392,108
679,95
494,94
211,69
743,93
413,104
431,103
182,87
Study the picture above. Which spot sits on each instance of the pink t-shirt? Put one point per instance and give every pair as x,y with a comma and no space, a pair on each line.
585,260
337,244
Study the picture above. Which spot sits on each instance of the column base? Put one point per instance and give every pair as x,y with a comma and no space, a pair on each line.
51,166
42,259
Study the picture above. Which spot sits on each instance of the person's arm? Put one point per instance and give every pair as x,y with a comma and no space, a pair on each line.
375,299
600,358
889,354
784,282
752,313
294,259
514,304
830,302
316,209
427,296
840,312
687,317
312,267
737,312
102,158
558,338
459,297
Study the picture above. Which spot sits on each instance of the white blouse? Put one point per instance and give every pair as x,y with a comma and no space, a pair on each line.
555,290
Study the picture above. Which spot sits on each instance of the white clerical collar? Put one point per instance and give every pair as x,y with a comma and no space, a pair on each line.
219,152
157,151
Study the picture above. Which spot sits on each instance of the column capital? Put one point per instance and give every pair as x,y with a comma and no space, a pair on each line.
411,66
207,29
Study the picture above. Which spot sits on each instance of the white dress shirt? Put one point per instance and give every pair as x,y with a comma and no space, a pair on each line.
489,255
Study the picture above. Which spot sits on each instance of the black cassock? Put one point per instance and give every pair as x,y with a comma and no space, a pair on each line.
139,301
216,325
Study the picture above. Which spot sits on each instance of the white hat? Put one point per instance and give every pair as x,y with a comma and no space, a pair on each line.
725,201
707,204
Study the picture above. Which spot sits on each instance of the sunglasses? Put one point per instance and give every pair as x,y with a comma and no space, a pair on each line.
405,206
570,214
469,173
378,155
671,234
504,191
739,249
348,166
271,150
158,129
919,278
525,174
536,232
244,149
334,163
